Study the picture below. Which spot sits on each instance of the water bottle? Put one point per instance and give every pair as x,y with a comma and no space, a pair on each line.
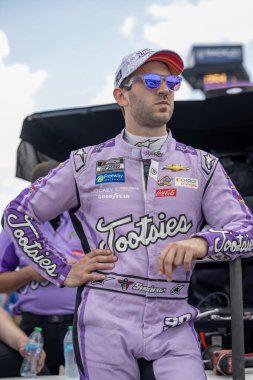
71,370
33,349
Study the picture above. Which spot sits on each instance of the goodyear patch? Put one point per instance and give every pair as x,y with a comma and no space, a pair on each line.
110,177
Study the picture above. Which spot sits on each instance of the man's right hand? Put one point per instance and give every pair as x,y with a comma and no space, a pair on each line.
82,270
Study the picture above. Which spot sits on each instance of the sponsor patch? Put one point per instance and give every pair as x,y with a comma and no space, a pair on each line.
153,171
185,149
101,282
165,181
80,156
165,193
28,239
191,183
223,244
125,283
114,196
112,165
100,147
110,177
175,168
207,162
148,289
114,192
143,231
177,289
153,153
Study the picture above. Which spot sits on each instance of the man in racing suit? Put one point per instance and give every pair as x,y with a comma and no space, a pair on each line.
142,199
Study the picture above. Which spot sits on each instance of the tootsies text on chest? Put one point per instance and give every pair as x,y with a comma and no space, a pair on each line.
146,233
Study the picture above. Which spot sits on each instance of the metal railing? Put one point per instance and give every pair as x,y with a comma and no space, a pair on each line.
237,324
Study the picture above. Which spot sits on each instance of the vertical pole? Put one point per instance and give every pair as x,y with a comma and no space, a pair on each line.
237,328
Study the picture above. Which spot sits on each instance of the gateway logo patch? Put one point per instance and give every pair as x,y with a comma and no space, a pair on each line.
110,177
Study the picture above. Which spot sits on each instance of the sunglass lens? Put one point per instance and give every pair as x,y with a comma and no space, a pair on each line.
173,82
152,81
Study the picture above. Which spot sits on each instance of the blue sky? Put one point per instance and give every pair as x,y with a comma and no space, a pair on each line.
58,54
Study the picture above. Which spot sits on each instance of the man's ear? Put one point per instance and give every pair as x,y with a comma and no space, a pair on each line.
120,96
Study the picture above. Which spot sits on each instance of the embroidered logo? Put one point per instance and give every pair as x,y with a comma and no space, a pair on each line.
191,183
165,193
165,181
176,289
110,177
114,164
226,244
207,162
153,153
146,231
146,143
27,238
175,167
80,156
125,283
186,149
148,289
101,282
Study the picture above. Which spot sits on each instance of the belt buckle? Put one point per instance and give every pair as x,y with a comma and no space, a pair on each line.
55,318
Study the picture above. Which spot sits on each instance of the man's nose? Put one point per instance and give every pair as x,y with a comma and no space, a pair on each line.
163,88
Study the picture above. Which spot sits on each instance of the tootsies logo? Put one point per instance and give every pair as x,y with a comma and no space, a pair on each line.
20,230
148,233
33,285
242,243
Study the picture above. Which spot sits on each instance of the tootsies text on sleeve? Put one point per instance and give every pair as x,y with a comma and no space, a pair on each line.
27,238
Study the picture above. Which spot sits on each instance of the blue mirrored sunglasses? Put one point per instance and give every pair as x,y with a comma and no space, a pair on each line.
155,81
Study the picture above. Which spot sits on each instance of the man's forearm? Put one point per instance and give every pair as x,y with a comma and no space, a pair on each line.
10,333
12,281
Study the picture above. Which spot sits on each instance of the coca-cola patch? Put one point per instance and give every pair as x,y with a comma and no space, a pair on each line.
166,193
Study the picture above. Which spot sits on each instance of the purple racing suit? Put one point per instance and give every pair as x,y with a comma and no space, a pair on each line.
135,312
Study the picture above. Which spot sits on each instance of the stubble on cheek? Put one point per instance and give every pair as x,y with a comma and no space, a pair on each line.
148,113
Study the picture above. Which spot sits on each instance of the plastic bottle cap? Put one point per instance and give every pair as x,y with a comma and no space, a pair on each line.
37,329
70,328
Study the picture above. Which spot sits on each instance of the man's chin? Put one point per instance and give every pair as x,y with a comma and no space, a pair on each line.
162,118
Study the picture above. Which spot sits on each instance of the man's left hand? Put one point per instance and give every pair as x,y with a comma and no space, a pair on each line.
180,253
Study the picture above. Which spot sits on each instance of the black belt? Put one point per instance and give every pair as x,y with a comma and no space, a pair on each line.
29,317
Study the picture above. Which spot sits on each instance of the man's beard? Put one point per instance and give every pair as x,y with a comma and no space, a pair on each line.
145,116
